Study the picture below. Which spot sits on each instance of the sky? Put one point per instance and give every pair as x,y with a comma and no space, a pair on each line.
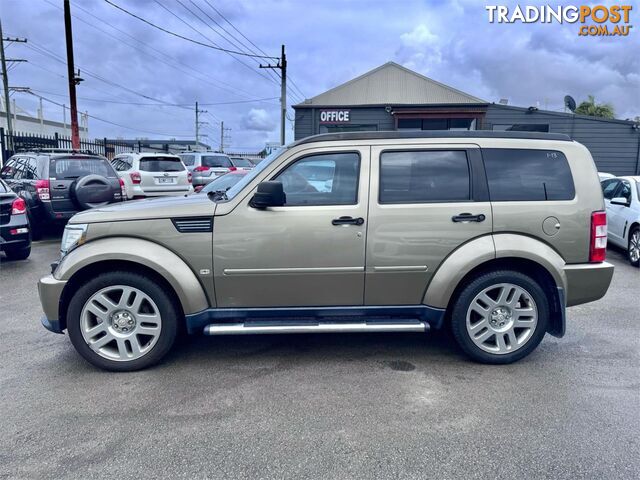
147,81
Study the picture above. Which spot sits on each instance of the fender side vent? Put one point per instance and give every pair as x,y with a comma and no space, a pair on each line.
193,224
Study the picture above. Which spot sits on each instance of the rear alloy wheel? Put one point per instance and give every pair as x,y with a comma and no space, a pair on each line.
500,317
122,321
633,251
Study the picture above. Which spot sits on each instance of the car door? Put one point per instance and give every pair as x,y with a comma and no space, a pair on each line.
617,215
419,197
309,252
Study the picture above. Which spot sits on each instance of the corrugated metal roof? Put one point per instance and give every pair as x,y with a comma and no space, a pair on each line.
391,84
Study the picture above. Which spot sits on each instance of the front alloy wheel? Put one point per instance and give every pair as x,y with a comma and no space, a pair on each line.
122,321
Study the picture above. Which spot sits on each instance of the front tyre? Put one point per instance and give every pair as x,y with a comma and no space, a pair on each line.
633,251
500,317
122,321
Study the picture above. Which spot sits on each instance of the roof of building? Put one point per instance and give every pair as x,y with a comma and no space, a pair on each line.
384,135
391,84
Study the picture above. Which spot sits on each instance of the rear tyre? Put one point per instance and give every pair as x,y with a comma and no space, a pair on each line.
633,250
122,321
18,253
500,317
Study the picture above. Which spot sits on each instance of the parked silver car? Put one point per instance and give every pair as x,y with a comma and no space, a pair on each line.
207,166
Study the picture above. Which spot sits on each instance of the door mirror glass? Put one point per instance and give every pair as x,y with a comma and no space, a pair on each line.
620,201
269,194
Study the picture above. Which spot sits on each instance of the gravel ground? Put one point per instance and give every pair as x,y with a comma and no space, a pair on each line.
322,406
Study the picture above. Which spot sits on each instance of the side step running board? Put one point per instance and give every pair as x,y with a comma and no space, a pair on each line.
262,328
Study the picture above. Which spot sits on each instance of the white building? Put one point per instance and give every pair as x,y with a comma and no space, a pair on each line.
24,123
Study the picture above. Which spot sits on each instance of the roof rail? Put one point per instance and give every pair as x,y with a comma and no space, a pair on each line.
399,134
56,150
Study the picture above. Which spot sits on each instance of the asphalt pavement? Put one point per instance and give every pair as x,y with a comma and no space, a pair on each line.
322,406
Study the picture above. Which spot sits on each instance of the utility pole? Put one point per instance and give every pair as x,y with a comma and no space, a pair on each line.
282,66
73,79
198,123
222,135
5,84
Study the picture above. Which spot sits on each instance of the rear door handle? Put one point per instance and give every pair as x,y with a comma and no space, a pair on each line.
468,217
347,221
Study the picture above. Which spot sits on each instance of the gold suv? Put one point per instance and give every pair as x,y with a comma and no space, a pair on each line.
492,233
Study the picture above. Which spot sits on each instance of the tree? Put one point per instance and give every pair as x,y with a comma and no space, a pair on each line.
593,109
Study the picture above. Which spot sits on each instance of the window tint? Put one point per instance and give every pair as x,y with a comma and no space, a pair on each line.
609,187
242,162
624,191
161,164
121,164
527,175
69,168
188,160
213,161
327,179
11,169
424,176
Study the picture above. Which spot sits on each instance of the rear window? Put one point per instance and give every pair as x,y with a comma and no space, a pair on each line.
69,168
213,161
527,175
242,162
188,160
161,164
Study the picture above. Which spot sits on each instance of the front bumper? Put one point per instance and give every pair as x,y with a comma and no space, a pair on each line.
50,292
587,282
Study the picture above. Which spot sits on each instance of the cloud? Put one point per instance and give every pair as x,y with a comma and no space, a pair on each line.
259,120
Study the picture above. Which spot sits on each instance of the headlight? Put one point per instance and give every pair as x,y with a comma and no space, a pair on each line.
74,235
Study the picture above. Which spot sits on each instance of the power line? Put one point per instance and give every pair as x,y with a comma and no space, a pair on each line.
193,72
182,36
110,122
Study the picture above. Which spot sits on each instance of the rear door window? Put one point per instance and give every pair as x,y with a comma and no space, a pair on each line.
71,168
424,176
213,161
161,164
527,175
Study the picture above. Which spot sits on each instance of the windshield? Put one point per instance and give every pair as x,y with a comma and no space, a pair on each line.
161,164
238,187
213,161
241,162
224,182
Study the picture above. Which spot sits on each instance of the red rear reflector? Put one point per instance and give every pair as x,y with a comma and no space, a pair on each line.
598,244
201,168
123,189
18,206
42,189
189,177
135,178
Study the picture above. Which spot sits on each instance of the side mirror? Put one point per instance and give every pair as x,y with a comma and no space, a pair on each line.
620,201
269,194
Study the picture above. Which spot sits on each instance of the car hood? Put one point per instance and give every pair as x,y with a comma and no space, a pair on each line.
164,207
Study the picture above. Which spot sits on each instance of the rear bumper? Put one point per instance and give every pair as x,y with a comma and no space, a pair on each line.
50,292
587,282
7,240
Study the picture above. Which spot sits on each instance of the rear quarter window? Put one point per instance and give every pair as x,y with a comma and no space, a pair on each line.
161,164
527,175
70,168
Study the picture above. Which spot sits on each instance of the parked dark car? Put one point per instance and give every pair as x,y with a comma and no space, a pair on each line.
15,235
57,184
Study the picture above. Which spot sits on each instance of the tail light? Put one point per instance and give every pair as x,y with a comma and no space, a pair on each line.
19,206
598,245
233,169
135,178
42,189
189,177
201,168
123,189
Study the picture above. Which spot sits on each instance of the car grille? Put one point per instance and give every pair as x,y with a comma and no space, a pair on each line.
193,224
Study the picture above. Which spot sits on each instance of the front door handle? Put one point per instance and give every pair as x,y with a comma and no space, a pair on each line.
468,217
347,221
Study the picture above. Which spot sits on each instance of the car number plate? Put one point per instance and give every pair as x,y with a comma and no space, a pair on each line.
166,180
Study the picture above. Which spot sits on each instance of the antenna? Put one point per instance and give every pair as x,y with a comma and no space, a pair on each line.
569,103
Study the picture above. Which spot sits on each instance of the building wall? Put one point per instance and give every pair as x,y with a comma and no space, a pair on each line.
614,144
23,124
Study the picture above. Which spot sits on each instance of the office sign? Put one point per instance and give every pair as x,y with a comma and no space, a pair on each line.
334,116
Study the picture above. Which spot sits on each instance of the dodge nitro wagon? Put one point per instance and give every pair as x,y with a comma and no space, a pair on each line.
492,234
